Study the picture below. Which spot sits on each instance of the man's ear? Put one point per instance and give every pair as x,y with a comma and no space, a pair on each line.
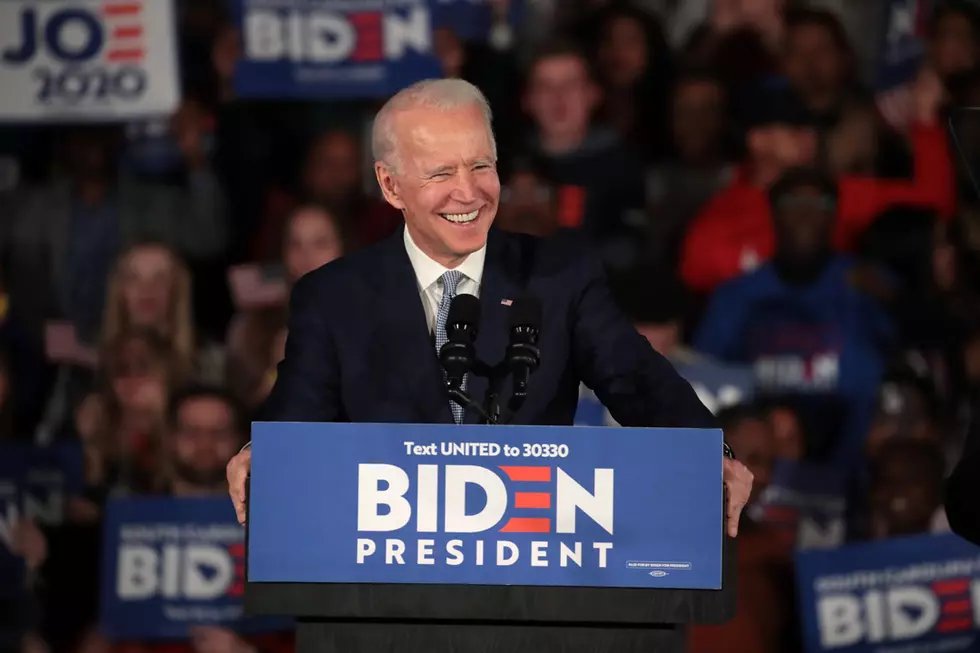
386,180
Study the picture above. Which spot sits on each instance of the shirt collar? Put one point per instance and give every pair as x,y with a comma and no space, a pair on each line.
427,271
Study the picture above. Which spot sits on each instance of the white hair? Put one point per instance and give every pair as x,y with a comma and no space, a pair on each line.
439,94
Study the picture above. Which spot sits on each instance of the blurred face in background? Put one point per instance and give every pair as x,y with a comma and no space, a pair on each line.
787,432
971,360
954,45
312,240
623,52
804,219
446,182
904,496
753,443
561,97
147,284
91,155
225,52
449,51
138,377
527,205
698,120
204,440
902,413
775,148
333,169
815,65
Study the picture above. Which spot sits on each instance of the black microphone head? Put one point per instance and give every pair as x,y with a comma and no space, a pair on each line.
464,315
525,312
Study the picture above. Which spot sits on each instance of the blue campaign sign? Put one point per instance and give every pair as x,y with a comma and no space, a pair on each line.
35,483
717,385
471,19
485,505
807,501
902,42
917,593
326,49
173,563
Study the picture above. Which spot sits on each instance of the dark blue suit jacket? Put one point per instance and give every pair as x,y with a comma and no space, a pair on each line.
359,347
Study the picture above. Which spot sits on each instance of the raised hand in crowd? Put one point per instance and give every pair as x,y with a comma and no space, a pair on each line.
928,95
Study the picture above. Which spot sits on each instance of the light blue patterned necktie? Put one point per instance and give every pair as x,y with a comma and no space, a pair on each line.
450,280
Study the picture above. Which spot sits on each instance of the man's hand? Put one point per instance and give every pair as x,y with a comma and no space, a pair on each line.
214,639
738,481
237,472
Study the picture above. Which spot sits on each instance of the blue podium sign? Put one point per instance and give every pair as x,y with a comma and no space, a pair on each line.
483,505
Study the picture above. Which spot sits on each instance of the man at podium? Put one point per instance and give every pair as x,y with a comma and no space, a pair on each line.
365,331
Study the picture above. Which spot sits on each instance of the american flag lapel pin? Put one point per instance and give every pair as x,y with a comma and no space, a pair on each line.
505,302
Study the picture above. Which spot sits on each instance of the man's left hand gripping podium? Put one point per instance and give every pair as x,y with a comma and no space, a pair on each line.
438,537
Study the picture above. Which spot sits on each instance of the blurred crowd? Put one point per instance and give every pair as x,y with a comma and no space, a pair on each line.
729,160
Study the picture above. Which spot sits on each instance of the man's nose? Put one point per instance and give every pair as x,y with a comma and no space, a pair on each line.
464,190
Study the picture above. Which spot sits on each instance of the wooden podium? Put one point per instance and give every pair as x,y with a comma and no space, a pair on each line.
355,617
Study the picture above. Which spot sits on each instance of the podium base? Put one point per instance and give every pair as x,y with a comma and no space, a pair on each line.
375,637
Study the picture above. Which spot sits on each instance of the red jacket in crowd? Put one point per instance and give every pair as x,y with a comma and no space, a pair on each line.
733,233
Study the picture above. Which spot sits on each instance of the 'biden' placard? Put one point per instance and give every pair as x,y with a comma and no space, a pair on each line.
481,505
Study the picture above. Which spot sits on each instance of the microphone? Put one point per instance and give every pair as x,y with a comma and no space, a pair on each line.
458,355
523,355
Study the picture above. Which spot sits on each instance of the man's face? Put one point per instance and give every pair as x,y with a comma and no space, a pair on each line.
904,498
560,96
753,443
664,338
697,118
333,170
204,440
954,47
446,183
814,64
804,219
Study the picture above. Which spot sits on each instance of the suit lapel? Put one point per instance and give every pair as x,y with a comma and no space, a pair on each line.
403,333
499,284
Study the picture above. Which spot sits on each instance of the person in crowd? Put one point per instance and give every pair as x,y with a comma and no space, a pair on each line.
787,427
657,304
150,288
60,240
634,69
953,38
312,239
908,407
802,323
599,179
906,488
332,176
122,426
700,166
819,63
733,233
527,199
764,613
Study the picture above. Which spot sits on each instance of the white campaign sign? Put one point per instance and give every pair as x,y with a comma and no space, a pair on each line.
87,60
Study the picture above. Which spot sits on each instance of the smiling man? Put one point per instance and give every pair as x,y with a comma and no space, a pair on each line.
362,329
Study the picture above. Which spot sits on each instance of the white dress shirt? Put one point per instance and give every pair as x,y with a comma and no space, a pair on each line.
428,274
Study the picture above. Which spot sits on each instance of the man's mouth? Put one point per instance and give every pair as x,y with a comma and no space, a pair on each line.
461,218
